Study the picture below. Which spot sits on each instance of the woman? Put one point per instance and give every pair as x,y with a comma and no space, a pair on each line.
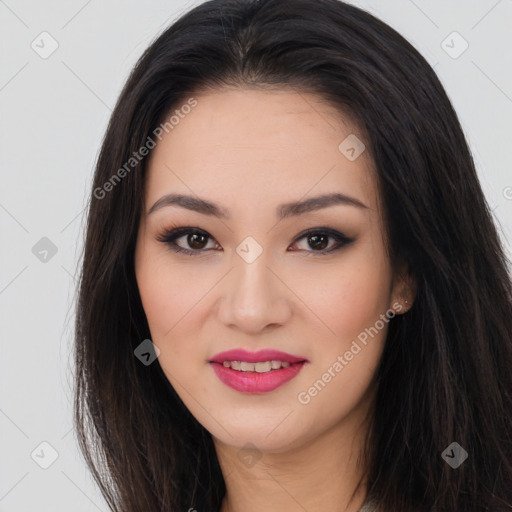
293,295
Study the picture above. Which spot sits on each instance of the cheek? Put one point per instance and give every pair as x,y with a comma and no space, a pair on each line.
172,297
167,292
346,298
165,296
350,302
158,300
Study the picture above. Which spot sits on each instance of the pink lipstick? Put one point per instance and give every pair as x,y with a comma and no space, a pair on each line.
256,372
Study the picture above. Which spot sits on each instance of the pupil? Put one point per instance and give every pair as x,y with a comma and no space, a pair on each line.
315,239
192,242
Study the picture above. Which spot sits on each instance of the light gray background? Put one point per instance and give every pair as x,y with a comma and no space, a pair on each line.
53,115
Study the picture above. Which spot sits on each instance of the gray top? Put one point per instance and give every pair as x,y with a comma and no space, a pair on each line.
368,506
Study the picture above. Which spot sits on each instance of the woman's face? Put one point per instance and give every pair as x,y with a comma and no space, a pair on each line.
310,280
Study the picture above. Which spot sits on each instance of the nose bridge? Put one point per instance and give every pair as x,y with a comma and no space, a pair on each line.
253,296
253,285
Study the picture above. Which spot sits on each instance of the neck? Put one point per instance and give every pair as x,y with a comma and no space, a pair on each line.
322,474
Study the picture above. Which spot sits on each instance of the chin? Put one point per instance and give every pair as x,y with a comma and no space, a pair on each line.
265,438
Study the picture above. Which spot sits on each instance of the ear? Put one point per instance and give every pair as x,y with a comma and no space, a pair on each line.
403,291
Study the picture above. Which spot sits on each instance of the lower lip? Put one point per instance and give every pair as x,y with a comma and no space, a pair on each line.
254,382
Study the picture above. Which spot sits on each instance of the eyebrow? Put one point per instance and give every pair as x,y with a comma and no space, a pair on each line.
283,211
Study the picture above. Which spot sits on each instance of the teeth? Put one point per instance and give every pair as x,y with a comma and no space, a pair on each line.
247,367
261,367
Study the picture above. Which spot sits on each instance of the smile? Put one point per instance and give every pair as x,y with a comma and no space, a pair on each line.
256,372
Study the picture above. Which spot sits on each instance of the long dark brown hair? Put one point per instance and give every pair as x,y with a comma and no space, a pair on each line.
446,371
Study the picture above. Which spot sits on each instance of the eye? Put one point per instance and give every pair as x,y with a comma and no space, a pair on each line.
197,240
318,239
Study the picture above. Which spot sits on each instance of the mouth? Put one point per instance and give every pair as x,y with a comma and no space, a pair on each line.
256,372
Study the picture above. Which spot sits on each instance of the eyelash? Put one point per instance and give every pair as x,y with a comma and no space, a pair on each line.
169,236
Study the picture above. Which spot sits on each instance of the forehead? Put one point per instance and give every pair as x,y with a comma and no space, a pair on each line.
254,145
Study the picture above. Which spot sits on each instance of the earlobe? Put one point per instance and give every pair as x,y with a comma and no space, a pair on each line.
401,306
405,291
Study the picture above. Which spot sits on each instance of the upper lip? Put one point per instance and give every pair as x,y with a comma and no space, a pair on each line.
240,354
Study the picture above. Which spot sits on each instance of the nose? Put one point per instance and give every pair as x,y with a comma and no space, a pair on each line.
254,296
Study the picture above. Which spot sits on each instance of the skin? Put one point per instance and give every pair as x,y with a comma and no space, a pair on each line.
249,151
